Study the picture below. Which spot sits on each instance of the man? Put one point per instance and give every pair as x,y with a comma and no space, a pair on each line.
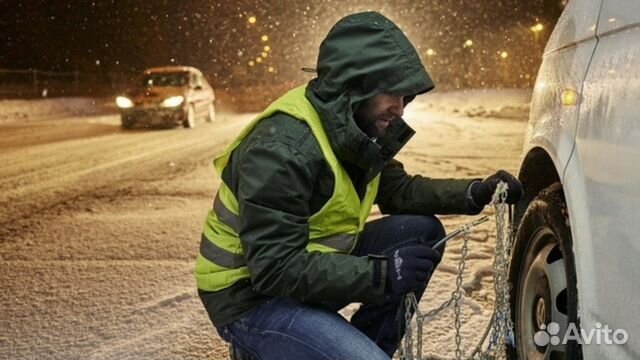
286,244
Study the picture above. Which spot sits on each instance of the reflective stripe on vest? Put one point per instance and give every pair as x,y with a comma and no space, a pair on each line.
342,242
225,215
220,256
227,259
333,228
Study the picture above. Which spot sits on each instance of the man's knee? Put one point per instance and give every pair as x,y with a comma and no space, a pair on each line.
431,229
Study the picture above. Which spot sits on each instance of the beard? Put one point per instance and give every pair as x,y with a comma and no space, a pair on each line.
374,114
374,125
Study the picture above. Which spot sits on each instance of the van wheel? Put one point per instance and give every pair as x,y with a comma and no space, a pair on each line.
544,299
190,121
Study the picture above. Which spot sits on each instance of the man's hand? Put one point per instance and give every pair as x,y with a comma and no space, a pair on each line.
481,192
409,268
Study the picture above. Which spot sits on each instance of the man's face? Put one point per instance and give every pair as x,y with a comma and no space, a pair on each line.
374,114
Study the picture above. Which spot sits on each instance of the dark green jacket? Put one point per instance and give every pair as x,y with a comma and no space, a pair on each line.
280,177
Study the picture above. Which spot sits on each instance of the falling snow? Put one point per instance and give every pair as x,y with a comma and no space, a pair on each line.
463,44
244,48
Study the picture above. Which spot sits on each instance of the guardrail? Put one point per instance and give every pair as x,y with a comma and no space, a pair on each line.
33,83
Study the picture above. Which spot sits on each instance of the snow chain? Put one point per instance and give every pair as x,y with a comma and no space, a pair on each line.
500,325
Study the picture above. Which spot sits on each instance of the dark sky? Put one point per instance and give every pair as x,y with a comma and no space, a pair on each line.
122,37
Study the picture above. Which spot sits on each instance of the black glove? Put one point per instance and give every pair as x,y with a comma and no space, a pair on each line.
482,191
409,268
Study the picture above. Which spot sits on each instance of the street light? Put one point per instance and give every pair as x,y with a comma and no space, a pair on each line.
430,52
537,28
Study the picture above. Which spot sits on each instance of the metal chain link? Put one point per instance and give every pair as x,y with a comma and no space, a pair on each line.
501,325
458,292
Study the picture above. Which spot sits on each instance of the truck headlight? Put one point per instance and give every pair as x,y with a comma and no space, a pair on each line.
123,102
173,101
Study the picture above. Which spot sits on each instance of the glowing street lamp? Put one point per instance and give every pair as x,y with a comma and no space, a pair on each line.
251,63
267,48
537,28
264,38
252,19
504,54
430,52
258,59
468,43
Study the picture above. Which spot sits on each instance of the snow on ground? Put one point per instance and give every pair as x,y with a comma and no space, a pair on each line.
98,244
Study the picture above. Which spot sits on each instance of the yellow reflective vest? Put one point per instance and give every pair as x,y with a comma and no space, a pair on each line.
333,229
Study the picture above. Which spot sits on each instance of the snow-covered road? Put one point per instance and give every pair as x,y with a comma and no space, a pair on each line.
99,227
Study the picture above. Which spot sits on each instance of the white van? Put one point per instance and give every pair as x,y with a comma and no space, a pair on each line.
577,253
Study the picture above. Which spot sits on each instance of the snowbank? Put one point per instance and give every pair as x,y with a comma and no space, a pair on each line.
483,103
27,110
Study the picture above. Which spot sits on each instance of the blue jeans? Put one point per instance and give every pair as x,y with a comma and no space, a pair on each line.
283,328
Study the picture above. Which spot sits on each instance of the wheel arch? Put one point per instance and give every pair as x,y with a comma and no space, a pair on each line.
537,172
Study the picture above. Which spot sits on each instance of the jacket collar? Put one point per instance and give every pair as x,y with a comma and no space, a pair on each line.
352,145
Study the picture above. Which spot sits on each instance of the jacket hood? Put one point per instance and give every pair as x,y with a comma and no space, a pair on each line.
363,55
